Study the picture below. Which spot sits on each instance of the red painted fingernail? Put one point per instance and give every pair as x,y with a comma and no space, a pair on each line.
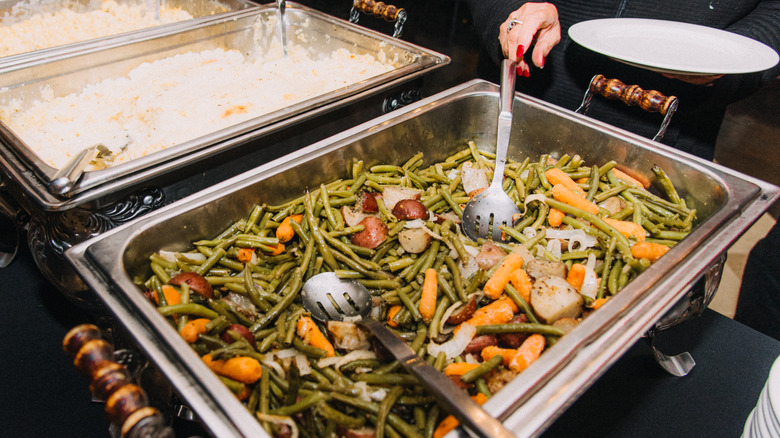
527,73
543,60
519,71
520,51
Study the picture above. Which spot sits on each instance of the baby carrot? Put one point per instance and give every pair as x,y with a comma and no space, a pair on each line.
555,217
391,312
627,228
507,353
495,285
428,296
449,423
245,255
529,351
573,198
522,283
498,312
171,295
193,328
312,335
648,250
276,250
240,368
285,231
626,177
557,176
576,276
459,368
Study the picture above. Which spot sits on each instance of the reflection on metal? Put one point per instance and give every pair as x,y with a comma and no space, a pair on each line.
401,99
50,235
691,305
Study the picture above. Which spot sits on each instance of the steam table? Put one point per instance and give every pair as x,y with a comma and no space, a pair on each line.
43,395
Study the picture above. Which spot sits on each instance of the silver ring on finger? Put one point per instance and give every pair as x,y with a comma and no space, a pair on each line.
512,23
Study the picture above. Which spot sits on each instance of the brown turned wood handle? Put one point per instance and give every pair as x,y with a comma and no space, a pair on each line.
632,95
379,9
126,404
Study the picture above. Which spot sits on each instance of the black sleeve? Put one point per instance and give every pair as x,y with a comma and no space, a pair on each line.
488,16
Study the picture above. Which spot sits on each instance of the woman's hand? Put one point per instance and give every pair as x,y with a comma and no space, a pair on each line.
533,26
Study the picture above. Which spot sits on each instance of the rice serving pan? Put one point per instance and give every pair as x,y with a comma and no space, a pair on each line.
727,203
200,10
252,32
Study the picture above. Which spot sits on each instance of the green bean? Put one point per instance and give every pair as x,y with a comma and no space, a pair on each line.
512,293
187,309
483,369
454,205
606,266
520,327
409,305
620,241
305,403
282,305
327,256
210,261
441,307
384,409
307,349
267,342
394,420
339,417
614,276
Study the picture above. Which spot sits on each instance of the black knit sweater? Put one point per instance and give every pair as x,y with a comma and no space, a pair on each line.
569,67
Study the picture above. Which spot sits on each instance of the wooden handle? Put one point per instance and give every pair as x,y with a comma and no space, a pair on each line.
379,9
126,404
632,95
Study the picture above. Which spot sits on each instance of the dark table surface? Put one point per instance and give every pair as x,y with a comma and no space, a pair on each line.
43,395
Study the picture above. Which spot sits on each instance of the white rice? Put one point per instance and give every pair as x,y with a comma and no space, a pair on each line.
176,99
34,25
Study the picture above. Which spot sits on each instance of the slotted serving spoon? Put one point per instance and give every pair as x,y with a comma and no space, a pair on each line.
330,298
66,178
492,208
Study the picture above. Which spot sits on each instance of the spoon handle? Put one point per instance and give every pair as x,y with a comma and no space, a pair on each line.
508,74
476,421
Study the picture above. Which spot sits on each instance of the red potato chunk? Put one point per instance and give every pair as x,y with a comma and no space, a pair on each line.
374,233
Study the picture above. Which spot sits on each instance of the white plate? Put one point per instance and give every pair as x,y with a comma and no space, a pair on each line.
673,47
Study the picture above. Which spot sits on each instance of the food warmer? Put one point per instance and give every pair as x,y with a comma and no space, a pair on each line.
727,204
200,11
106,198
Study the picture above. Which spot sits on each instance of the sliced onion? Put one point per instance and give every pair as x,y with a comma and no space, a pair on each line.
271,363
469,358
554,246
277,419
529,232
302,362
347,358
536,197
419,223
455,346
446,316
590,285
365,394
591,263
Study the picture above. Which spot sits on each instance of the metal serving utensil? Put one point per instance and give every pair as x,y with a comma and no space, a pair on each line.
330,298
485,212
65,178
282,26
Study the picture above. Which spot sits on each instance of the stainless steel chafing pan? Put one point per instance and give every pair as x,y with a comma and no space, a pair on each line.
727,203
200,10
251,32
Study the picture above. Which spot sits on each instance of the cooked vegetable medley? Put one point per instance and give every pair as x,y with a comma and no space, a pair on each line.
482,312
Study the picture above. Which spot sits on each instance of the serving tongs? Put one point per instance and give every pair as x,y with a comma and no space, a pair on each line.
329,298
66,178
282,26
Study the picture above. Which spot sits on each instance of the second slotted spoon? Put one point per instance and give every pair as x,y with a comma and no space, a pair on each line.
330,298
492,208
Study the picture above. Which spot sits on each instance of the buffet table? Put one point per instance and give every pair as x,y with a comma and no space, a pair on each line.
43,395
